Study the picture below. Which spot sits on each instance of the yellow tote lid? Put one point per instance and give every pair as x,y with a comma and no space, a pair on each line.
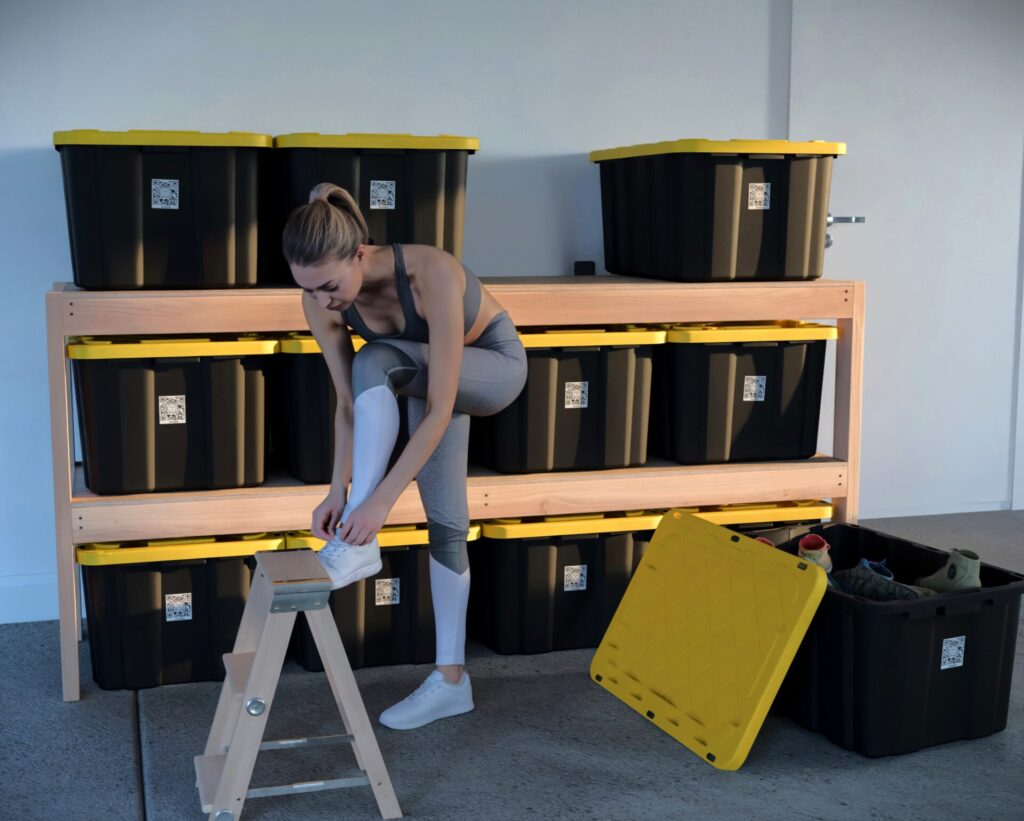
391,536
784,331
707,670
596,524
701,146
171,550
590,337
87,347
442,142
306,343
757,513
195,139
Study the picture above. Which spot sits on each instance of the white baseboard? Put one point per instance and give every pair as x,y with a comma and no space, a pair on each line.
932,510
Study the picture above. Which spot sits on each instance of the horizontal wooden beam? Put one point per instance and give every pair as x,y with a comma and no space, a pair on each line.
283,504
530,301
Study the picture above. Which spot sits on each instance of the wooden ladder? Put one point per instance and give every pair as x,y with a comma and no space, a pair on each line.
285,583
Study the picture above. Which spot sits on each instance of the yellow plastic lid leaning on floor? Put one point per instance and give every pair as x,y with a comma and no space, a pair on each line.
192,139
782,331
87,347
171,550
440,142
590,337
701,146
705,633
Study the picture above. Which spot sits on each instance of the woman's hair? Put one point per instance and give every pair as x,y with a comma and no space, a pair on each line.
330,226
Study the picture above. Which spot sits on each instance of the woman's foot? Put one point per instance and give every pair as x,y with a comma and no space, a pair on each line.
347,563
433,699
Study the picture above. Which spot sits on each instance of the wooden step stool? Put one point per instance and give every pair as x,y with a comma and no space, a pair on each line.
285,583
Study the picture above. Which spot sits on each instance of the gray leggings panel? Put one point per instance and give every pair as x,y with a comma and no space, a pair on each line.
492,375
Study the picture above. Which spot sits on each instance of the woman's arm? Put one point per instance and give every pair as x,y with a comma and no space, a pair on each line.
336,345
442,307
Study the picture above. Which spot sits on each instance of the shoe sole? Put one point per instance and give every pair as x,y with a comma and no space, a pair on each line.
359,574
459,712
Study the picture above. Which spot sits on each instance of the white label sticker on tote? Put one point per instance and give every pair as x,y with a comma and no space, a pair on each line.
577,394
178,607
759,196
172,410
387,591
382,194
953,652
575,577
753,388
164,194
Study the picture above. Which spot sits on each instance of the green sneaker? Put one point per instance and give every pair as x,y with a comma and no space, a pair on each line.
962,571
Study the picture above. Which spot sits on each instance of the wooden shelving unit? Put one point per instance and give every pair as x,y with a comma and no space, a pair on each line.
283,504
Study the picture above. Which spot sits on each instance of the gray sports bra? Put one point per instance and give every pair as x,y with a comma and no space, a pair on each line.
415,326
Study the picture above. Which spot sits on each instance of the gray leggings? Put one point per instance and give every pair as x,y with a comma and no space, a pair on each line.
492,375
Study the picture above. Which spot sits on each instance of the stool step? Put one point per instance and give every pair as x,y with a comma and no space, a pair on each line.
209,769
237,667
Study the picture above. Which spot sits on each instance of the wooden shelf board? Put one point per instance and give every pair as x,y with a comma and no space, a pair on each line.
285,504
530,301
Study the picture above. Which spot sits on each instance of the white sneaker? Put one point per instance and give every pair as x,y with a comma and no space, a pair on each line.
433,699
347,563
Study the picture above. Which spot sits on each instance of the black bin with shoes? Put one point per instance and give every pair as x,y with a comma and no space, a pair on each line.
165,611
890,677
383,619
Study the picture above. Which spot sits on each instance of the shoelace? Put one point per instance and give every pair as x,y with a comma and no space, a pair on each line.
333,549
423,689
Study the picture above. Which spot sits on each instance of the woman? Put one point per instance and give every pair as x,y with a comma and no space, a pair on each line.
435,335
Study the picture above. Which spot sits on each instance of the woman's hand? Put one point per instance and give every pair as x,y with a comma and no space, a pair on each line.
364,522
327,515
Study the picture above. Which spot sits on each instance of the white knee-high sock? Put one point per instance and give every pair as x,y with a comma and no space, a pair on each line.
374,432
449,592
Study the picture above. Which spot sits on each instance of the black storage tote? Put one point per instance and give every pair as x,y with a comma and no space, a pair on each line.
411,189
171,414
739,393
162,209
165,611
383,619
884,678
552,584
716,210
585,404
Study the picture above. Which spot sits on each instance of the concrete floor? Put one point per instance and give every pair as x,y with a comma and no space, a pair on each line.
544,742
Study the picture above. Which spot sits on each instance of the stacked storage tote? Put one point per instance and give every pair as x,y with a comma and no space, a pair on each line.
171,414
739,392
585,405
164,612
162,209
384,619
410,189
717,211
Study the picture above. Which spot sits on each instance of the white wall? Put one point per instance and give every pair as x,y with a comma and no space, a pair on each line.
542,83
928,96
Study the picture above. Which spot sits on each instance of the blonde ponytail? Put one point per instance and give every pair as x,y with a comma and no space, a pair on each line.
330,226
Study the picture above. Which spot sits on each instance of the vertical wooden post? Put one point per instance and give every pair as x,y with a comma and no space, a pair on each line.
849,387
60,432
